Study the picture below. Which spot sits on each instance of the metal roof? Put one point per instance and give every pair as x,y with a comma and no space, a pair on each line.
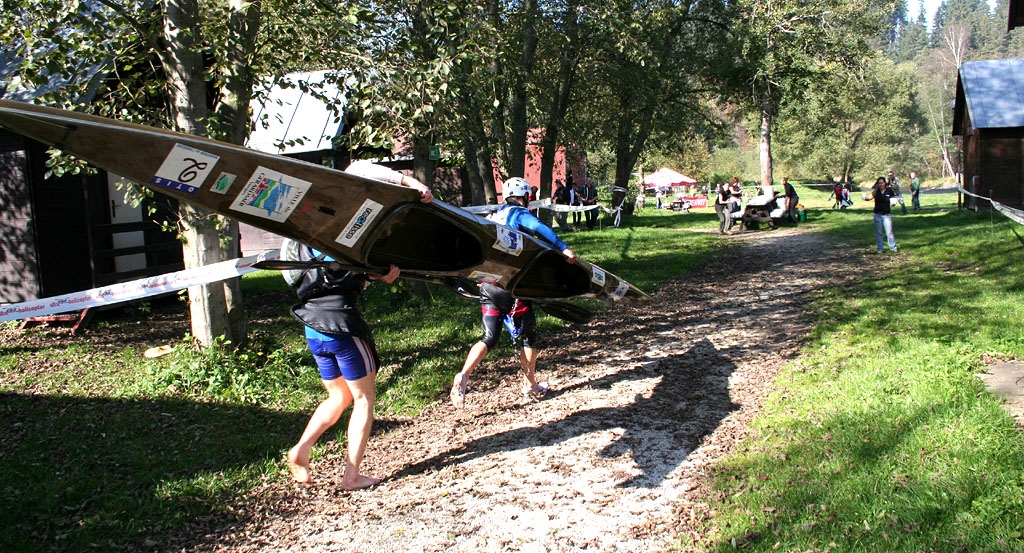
993,93
298,112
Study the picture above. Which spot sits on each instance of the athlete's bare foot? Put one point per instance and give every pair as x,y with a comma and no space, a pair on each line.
359,482
299,466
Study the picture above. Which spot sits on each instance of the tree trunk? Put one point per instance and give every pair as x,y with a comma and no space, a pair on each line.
236,73
767,110
519,123
215,309
561,98
473,190
422,165
479,167
629,147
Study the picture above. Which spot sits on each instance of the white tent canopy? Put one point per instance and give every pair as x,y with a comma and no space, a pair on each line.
665,178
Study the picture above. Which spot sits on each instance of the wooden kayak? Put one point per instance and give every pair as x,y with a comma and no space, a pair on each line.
357,221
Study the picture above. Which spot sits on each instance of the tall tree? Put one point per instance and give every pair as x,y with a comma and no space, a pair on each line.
895,30
789,44
852,125
651,67
182,64
561,89
914,40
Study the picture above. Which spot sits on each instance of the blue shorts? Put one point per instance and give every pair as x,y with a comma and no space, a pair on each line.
345,356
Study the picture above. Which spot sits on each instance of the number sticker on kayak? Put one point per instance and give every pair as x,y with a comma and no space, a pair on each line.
185,168
509,241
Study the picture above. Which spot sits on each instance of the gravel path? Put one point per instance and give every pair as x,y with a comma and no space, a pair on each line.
612,460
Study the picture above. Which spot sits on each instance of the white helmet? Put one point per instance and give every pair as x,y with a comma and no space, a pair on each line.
515,186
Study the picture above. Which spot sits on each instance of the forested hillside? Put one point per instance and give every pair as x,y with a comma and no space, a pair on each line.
894,112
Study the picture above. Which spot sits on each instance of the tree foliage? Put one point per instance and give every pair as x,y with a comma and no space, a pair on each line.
189,65
852,129
790,46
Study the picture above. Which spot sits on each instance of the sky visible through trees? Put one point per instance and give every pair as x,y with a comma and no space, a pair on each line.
913,6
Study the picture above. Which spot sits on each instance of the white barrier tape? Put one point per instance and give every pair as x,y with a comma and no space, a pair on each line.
1010,213
562,208
134,290
484,210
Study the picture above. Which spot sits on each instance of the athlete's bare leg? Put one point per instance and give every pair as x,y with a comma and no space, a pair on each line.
476,355
461,381
326,414
364,394
528,360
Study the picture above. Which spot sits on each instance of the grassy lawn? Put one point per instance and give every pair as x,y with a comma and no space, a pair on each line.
880,438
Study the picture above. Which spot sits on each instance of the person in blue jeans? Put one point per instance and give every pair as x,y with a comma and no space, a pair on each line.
499,307
343,348
882,193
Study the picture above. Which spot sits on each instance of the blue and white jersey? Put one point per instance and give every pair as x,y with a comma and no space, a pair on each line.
519,218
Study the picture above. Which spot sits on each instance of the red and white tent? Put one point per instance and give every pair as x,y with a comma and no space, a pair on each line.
665,178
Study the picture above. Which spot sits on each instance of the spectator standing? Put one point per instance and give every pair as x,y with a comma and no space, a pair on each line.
734,202
588,197
894,185
576,201
915,191
837,192
722,207
791,197
562,196
882,193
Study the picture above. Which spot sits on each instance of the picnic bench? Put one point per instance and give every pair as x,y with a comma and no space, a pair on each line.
680,205
760,209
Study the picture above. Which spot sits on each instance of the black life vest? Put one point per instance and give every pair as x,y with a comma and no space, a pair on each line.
329,301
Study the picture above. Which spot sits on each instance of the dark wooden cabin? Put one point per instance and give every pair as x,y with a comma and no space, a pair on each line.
70,233
1016,15
988,116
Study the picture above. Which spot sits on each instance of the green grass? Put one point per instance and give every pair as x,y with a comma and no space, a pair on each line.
881,437
105,450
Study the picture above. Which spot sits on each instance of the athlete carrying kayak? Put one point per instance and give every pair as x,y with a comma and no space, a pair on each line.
342,346
500,307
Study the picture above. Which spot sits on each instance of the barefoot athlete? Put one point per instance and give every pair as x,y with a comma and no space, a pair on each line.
343,348
499,306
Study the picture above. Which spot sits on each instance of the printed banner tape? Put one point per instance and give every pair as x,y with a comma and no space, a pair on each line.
134,290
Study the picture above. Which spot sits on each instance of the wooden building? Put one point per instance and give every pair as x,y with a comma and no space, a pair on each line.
70,233
988,116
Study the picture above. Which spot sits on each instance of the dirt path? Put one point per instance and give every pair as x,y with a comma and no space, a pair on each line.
643,400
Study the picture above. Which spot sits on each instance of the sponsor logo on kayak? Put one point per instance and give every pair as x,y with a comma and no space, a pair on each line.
270,194
359,223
